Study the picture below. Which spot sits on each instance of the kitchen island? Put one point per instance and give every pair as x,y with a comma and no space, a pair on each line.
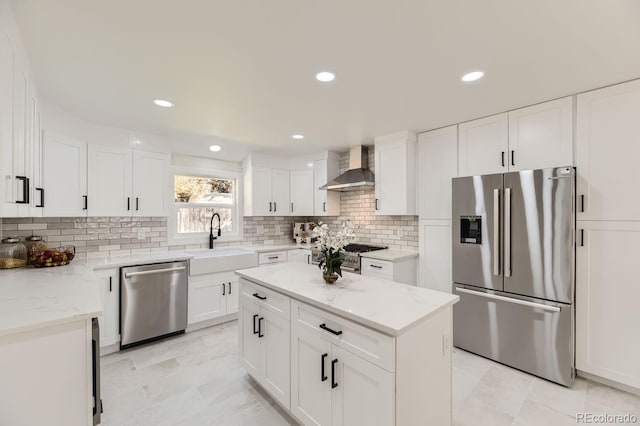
361,351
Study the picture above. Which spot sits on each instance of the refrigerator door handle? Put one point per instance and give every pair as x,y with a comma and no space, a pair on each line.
507,232
496,232
509,299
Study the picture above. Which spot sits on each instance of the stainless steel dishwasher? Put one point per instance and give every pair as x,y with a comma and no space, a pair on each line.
153,302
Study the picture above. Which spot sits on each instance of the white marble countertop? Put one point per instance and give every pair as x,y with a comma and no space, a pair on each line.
389,307
32,298
140,259
390,255
277,247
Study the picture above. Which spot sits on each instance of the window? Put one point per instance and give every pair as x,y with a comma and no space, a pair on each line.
196,198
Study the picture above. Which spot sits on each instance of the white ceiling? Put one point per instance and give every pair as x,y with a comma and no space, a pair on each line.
242,72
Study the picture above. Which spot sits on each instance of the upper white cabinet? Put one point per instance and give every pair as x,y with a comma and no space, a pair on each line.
65,176
534,137
483,146
437,165
541,136
266,191
607,153
150,183
607,295
302,193
395,171
280,192
326,203
110,180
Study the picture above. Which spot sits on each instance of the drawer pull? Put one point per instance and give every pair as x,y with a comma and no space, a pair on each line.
324,327
322,375
376,266
256,295
273,257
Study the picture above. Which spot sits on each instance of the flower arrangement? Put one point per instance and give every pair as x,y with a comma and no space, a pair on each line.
332,248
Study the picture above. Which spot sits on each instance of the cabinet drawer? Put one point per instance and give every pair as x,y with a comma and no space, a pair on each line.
272,257
271,300
371,345
377,268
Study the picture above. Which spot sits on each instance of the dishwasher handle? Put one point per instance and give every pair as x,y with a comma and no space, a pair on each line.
154,271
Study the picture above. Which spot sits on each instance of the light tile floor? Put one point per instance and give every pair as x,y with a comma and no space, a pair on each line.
196,379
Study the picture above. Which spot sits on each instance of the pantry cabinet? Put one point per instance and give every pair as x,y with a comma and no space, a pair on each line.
212,296
438,164
302,192
326,203
395,174
109,289
607,295
65,176
435,255
608,149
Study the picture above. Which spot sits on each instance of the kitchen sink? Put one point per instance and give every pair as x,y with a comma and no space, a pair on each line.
221,260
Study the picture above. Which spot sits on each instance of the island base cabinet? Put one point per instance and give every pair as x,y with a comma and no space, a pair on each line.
264,347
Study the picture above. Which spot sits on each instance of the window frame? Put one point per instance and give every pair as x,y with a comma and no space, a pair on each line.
202,238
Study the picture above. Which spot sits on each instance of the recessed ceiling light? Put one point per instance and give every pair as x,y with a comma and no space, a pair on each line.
163,103
298,136
472,76
309,164
215,148
325,76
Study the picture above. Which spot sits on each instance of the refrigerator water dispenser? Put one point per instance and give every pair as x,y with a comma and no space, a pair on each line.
471,229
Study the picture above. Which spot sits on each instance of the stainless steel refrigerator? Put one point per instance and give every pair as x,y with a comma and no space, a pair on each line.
514,269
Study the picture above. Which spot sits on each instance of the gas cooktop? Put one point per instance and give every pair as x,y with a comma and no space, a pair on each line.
362,248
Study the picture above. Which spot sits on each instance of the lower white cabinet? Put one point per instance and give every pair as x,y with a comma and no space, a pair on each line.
607,294
272,257
211,296
264,345
299,256
110,301
332,386
401,271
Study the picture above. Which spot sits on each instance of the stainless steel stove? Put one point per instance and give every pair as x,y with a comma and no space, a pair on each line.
351,262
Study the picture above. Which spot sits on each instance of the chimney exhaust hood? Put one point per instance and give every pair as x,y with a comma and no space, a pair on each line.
358,176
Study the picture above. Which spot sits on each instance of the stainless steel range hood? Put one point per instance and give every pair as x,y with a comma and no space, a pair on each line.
358,176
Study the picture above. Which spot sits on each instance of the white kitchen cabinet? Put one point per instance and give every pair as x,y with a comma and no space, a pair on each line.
607,153
109,181
299,256
266,192
326,203
212,296
437,165
607,295
268,257
65,176
109,320
265,344
302,192
483,145
435,255
541,136
36,208
401,270
151,183
395,174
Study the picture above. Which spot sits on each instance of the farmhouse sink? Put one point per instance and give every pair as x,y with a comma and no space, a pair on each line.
221,260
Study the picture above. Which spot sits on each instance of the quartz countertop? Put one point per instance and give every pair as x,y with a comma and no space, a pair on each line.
389,307
140,259
32,298
276,247
390,255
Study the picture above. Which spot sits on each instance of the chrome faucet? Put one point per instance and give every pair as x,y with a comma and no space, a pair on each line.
211,237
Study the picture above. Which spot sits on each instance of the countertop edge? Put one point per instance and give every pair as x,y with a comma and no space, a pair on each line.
48,323
380,255
359,320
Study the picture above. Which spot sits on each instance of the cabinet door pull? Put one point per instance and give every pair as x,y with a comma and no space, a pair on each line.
291,207
308,259
224,289
502,156
260,327
86,202
137,204
582,203
257,296
334,384
41,190
377,208
324,206
270,206
324,327
110,282
229,287
582,238
25,190
128,203
255,317
513,161
275,207
322,373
